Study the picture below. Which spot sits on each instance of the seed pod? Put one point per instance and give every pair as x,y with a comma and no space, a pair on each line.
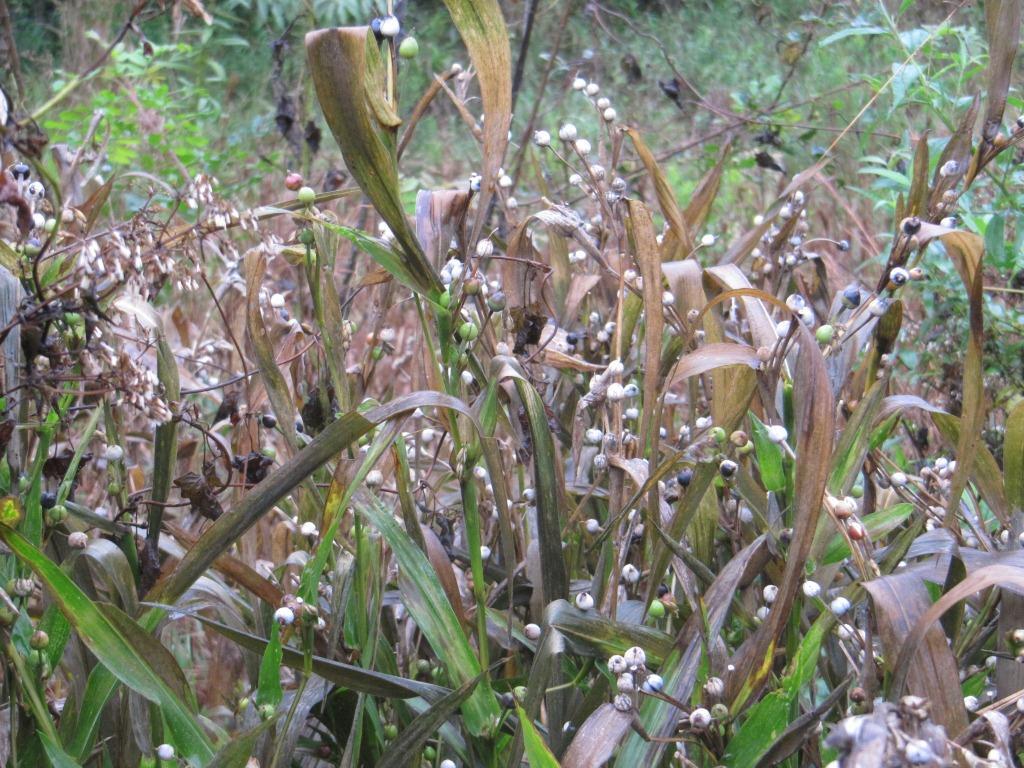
700,719
840,606
653,683
898,276
390,26
616,665
165,752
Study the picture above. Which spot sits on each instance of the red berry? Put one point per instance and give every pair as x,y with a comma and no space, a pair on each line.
293,181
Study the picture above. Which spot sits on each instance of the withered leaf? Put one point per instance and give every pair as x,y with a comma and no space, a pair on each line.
199,494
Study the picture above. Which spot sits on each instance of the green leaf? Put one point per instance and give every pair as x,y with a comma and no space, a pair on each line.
852,32
425,600
55,752
269,690
387,257
852,448
877,524
555,579
769,457
412,738
537,752
236,753
1013,458
113,649
769,717
344,675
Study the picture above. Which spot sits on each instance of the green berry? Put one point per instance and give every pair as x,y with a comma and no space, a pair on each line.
270,452
445,300
468,331
824,334
306,195
306,236
718,434
429,753
39,640
657,610
57,514
114,489
378,353
390,731
266,711
409,48
857,491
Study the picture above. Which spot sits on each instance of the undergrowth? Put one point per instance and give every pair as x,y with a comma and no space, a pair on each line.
551,463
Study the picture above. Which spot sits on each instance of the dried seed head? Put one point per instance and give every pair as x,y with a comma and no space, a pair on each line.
949,168
542,138
567,132
714,687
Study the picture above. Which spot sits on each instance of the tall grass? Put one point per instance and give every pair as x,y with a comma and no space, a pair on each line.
543,468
